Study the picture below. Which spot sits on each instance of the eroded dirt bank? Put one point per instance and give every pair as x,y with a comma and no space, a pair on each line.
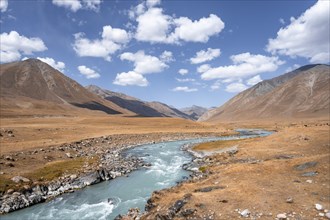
282,176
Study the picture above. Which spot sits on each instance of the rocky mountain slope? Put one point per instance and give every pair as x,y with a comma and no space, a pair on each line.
142,108
33,84
194,111
303,92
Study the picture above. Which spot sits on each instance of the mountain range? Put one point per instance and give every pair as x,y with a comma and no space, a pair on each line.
303,92
194,111
32,87
141,108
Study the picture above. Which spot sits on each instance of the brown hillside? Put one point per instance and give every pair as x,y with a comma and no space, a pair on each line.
142,108
301,93
32,84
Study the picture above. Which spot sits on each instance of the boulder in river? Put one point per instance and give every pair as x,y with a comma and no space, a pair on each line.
90,179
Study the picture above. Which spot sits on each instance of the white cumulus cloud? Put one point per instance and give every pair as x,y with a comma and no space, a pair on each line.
3,5
244,65
307,36
152,3
88,73
112,40
13,45
144,63
167,56
205,55
130,78
203,68
184,89
236,87
75,5
153,26
116,35
60,66
156,27
196,31
254,80
183,71
185,80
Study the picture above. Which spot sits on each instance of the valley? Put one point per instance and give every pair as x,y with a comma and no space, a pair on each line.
58,137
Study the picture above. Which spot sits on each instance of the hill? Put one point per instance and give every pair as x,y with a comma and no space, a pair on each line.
301,93
142,108
34,86
194,111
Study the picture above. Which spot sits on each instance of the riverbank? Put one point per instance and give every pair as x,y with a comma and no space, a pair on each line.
282,176
95,160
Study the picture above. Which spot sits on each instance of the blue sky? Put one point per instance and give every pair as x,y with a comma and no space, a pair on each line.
177,52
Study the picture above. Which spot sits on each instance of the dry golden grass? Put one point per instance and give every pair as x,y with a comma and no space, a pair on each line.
48,172
218,145
41,132
56,169
265,185
34,133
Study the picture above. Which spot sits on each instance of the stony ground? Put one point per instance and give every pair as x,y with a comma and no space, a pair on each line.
29,145
40,132
58,154
261,180
283,176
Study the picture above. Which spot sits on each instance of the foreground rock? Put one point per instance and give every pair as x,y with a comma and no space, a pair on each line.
114,165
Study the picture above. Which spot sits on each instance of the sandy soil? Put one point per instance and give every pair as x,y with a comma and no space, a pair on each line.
261,177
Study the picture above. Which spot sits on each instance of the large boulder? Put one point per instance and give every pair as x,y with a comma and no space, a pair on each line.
89,179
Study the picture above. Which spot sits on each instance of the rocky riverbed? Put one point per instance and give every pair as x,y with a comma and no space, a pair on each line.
283,176
196,166
111,164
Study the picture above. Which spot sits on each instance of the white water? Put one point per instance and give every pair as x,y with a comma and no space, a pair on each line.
126,192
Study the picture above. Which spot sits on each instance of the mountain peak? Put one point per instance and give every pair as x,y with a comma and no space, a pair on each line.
194,111
303,92
35,80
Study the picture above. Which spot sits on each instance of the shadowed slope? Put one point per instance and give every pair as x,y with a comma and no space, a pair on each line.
148,109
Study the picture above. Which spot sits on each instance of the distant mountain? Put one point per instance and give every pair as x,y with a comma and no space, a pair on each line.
33,84
168,111
147,109
303,92
194,111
